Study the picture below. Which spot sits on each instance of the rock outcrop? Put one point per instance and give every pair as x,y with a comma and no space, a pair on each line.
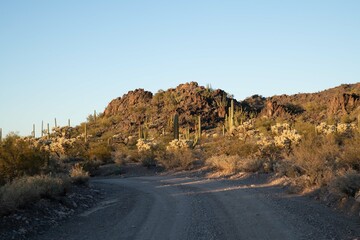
189,100
344,103
155,111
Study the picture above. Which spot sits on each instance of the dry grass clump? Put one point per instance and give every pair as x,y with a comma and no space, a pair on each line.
26,190
230,164
346,185
224,163
350,156
176,159
229,146
79,175
318,158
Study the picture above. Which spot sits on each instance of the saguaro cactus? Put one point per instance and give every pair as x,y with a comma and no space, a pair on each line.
187,133
48,130
55,123
176,126
69,122
95,116
33,131
42,128
199,126
231,113
85,133
0,134
141,132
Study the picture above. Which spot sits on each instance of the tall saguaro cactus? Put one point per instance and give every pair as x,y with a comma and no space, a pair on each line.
42,128
48,130
176,126
142,134
55,123
199,126
33,131
85,133
69,122
0,134
231,113
94,116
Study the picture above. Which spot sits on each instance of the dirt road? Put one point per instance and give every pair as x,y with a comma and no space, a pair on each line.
173,207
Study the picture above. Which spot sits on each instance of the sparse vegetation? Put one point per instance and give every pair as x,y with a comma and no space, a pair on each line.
79,175
314,145
25,190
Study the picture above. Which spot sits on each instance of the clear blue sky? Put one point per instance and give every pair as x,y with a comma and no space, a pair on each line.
66,58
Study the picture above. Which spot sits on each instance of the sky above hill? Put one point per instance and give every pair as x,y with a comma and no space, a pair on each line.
65,59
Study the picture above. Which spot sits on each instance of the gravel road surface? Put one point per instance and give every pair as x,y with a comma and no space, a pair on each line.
178,207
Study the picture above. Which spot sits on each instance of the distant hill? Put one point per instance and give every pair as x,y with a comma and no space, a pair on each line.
189,100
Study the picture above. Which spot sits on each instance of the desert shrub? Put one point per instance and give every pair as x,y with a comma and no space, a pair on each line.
76,150
348,184
234,163
287,168
229,146
78,175
26,190
304,128
91,166
120,158
100,151
264,124
176,159
146,152
224,163
317,157
270,153
19,157
256,165
350,156
125,153
147,158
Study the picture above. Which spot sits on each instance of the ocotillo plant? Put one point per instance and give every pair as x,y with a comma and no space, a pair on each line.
176,126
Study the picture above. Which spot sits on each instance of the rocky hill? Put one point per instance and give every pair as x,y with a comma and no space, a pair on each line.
189,100
336,103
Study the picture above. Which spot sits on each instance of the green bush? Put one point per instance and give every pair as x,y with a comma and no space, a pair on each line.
100,151
19,157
